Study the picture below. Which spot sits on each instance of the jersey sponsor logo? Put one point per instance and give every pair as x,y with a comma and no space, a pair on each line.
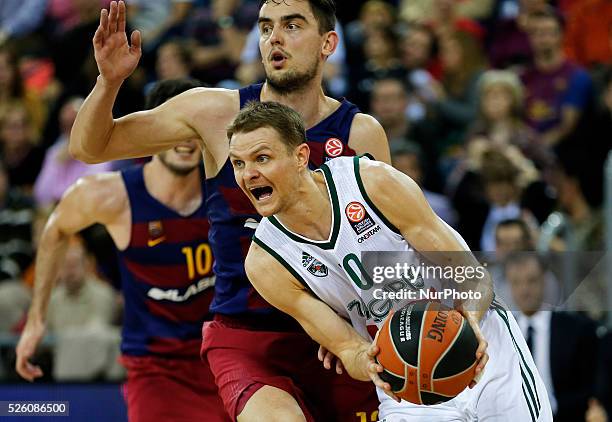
368,234
175,295
334,147
155,242
358,217
313,265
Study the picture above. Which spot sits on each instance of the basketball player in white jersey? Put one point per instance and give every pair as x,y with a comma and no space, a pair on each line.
309,242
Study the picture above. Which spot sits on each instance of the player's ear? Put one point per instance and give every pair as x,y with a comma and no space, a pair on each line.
330,44
302,155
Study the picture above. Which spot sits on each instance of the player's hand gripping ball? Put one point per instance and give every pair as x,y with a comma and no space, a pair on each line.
428,353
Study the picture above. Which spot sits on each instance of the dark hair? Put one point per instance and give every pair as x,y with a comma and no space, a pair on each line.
497,168
324,12
521,224
164,90
284,120
183,49
549,13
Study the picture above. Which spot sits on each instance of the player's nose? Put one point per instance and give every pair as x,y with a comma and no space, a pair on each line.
276,37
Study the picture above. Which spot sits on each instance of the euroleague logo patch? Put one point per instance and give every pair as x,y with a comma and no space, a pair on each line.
358,217
355,212
334,147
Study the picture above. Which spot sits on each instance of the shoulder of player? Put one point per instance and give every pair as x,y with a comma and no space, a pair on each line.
99,193
365,125
368,135
382,182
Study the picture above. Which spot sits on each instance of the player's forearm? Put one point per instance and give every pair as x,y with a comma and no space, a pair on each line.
94,124
51,251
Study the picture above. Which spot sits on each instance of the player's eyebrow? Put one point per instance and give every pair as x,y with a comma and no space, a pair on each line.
264,19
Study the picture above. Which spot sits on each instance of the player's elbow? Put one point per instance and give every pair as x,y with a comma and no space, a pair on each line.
76,151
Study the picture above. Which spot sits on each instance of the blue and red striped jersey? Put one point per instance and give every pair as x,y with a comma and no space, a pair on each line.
233,217
166,275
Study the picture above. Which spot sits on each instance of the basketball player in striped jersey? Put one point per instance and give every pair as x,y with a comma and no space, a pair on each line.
264,364
156,215
312,236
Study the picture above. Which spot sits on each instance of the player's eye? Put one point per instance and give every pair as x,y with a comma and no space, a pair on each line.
262,158
238,163
292,26
266,30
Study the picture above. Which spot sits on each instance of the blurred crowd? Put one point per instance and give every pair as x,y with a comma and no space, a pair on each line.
500,109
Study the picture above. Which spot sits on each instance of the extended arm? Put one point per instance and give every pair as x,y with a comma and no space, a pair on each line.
401,201
320,322
94,199
97,137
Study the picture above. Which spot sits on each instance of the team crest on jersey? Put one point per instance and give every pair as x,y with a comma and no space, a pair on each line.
313,265
358,217
155,229
334,147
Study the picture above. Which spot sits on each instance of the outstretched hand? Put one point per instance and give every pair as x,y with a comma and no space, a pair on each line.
115,58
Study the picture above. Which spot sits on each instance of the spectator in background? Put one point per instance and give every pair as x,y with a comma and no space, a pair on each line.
19,18
13,89
222,30
390,104
409,160
456,107
418,54
18,147
449,11
80,314
373,14
381,61
511,236
563,345
16,215
508,44
173,60
64,15
557,90
155,18
59,169
500,118
589,25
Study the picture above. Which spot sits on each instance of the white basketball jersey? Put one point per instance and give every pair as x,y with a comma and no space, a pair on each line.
332,269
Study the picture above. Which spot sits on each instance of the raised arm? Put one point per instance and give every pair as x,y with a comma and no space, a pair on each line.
282,290
97,137
94,199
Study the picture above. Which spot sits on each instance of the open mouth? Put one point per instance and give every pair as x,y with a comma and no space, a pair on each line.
262,192
277,58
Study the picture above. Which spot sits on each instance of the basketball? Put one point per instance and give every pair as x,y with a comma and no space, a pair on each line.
428,353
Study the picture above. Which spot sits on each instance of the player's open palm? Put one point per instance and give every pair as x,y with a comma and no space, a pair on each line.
116,59
29,341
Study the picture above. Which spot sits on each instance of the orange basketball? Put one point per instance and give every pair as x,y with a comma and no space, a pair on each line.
428,353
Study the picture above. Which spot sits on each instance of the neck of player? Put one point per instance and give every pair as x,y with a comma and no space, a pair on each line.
310,213
310,101
181,193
